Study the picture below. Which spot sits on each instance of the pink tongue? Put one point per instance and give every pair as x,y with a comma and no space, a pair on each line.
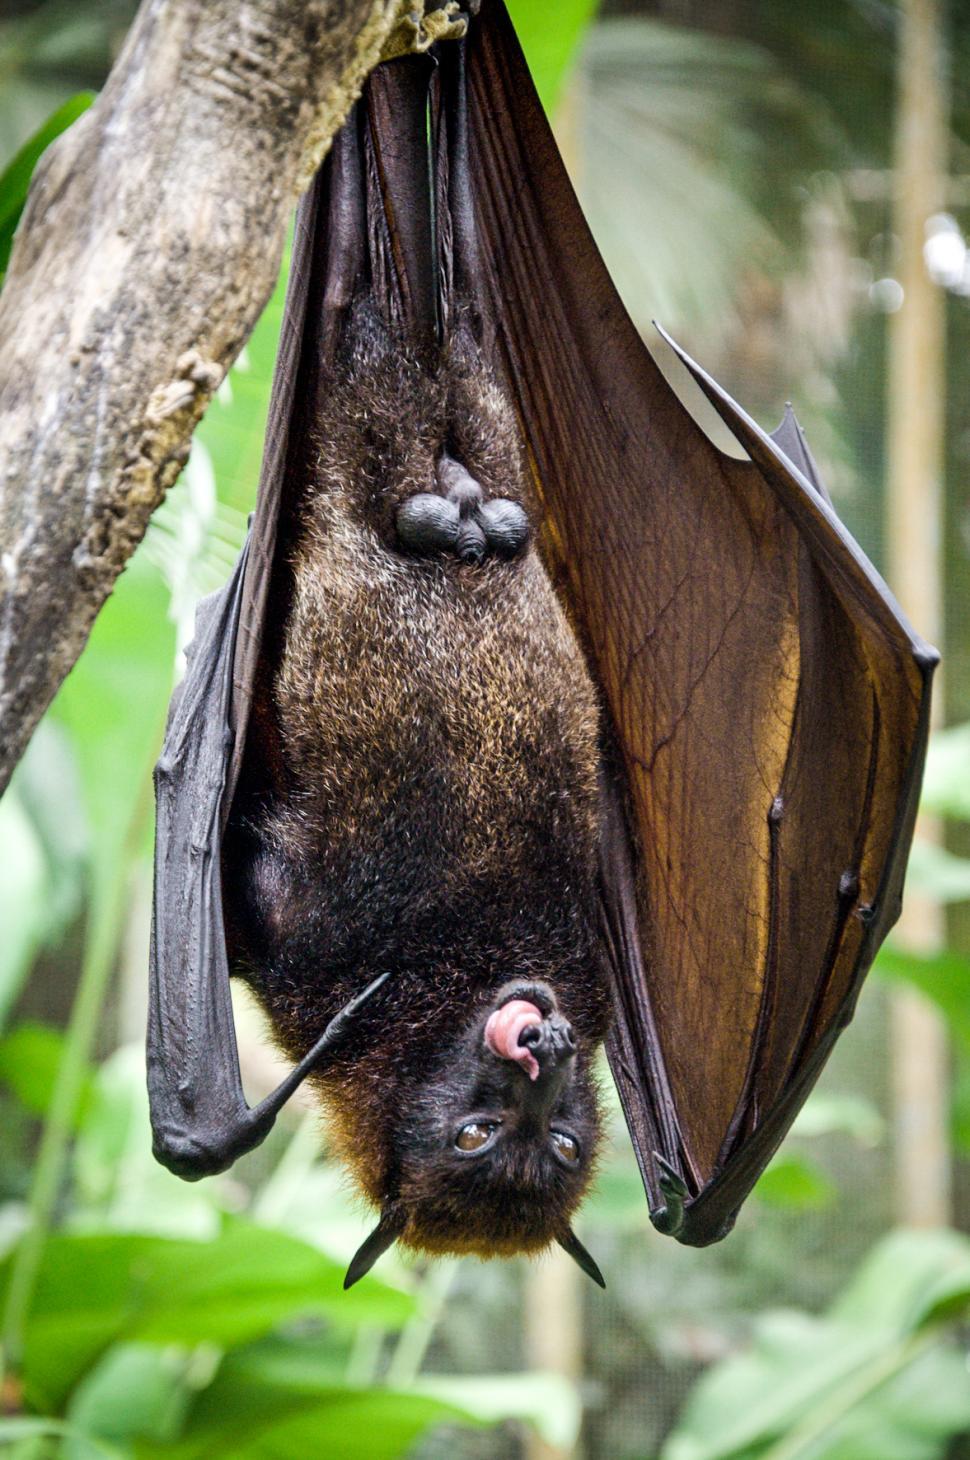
504,1028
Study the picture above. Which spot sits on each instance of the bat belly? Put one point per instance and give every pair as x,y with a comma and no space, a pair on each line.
434,811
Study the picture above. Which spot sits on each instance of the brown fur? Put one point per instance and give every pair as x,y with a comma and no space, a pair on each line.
420,791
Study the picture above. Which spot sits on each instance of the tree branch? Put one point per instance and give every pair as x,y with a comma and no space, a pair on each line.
150,243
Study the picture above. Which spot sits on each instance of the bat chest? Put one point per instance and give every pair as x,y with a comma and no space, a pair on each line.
436,807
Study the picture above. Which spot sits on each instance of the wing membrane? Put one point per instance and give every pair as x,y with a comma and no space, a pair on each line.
768,700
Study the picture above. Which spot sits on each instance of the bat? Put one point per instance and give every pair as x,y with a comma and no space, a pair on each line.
528,721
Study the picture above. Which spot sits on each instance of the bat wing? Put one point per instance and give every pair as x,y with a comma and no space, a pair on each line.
200,1118
364,227
767,700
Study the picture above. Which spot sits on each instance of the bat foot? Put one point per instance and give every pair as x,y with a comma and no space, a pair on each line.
419,29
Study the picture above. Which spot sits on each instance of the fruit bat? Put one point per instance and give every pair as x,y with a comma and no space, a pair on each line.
528,720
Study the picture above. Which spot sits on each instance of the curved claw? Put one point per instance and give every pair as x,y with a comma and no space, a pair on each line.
670,1217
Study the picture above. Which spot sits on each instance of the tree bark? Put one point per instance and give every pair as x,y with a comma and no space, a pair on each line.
149,245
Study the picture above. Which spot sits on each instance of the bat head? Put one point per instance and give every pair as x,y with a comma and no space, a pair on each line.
498,1148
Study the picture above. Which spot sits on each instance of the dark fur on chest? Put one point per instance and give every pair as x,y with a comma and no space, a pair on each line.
419,793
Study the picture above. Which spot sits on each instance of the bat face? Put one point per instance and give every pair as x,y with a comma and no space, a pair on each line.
497,1148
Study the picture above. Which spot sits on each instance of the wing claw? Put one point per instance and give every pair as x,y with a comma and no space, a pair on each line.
670,1217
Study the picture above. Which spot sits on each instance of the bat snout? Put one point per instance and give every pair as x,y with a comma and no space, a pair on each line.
550,1042
526,1028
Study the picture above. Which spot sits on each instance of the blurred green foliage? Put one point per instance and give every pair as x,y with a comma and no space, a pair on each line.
877,1377
15,178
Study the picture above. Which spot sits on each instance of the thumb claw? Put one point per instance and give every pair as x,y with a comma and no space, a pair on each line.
669,1218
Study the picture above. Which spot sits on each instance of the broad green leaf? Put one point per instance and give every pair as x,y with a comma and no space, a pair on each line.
911,1417
550,38
795,1362
248,1413
832,1381
15,178
904,1278
29,1059
97,1290
946,782
942,977
136,1391
23,1427
794,1181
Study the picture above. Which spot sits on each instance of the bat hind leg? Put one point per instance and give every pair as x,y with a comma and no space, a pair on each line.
457,519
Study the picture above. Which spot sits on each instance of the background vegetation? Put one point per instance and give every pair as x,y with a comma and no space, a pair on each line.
734,159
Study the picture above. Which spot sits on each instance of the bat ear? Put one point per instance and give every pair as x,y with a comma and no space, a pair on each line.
570,1243
384,1235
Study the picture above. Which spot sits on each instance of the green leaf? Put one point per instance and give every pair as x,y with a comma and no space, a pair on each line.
136,1391
29,1059
912,1417
741,1404
904,1280
840,1386
15,178
23,1427
795,1182
942,977
97,1290
550,39
251,1413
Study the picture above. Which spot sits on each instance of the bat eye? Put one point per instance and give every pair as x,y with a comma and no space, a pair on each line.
475,1135
565,1147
